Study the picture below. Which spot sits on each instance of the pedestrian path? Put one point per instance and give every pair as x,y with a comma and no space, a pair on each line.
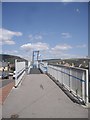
35,71
39,97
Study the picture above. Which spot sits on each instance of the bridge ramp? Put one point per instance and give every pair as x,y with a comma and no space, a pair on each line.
39,97
35,71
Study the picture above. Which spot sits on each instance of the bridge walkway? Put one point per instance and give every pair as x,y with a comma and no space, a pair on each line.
39,97
35,71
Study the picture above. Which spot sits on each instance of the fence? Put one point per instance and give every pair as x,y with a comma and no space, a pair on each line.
43,67
74,79
19,71
29,66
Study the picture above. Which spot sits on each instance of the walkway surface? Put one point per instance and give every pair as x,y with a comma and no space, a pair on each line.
35,71
39,97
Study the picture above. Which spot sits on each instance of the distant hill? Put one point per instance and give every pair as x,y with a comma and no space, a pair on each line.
51,60
10,58
76,61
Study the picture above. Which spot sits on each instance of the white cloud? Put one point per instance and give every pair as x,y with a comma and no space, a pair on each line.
81,46
60,54
35,46
59,51
67,0
30,37
38,37
45,0
62,47
74,0
77,10
7,35
47,52
15,53
12,52
66,35
35,37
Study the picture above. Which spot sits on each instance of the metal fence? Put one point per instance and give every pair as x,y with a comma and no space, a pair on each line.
74,79
29,66
19,71
43,67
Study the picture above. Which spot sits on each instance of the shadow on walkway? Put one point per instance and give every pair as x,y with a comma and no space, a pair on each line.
35,71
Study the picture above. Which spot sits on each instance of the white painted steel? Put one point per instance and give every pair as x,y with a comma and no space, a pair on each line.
75,79
43,67
20,71
87,87
29,66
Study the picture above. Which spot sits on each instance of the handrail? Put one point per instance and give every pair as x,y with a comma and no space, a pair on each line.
43,67
65,76
69,74
68,67
20,71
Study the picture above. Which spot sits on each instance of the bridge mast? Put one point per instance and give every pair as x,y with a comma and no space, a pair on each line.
35,55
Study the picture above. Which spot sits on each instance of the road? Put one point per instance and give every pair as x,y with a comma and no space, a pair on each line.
5,82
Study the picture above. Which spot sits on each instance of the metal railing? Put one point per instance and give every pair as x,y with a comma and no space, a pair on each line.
74,79
29,67
43,67
19,71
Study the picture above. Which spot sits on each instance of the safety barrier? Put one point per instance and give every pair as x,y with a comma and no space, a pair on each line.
29,66
74,79
19,72
43,67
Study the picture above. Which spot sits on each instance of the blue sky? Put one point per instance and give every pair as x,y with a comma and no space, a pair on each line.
58,30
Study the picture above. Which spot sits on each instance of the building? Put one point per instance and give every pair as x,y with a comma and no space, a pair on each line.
4,66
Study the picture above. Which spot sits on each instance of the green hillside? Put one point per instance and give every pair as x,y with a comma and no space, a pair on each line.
10,58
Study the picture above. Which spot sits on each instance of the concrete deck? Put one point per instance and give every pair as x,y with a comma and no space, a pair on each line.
35,71
39,97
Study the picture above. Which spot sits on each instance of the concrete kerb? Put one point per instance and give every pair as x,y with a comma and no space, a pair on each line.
15,87
6,96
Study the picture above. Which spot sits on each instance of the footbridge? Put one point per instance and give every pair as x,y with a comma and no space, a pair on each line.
48,91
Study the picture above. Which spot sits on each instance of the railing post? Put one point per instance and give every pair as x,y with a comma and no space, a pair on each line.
87,96
69,78
29,65
19,72
75,80
57,73
83,86
15,72
62,75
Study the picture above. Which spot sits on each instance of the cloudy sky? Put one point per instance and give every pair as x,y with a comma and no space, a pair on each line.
58,30
45,0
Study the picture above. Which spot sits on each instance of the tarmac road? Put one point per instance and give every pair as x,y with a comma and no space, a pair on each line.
5,82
